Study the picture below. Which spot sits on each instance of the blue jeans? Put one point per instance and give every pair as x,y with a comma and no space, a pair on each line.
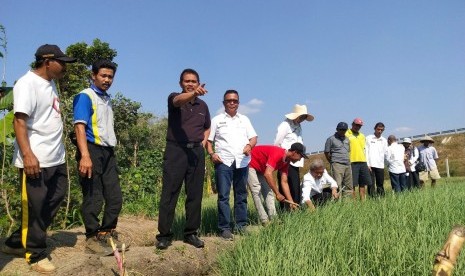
398,181
225,176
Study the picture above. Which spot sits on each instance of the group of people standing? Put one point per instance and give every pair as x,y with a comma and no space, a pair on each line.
231,143
229,139
40,156
359,161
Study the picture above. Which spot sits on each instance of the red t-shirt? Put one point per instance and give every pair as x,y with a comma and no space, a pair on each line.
272,156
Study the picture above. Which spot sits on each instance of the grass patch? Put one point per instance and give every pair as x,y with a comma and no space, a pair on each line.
394,235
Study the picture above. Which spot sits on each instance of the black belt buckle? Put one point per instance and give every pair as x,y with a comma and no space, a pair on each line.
190,145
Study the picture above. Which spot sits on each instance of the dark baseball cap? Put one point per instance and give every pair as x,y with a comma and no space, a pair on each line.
342,126
300,149
52,52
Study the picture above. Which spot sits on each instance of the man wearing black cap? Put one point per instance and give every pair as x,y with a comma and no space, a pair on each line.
264,161
337,149
39,155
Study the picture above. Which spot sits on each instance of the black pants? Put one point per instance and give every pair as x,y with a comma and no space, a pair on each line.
321,199
293,179
41,199
413,180
377,182
102,188
181,164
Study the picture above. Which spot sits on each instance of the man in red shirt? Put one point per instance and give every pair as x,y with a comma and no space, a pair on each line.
265,160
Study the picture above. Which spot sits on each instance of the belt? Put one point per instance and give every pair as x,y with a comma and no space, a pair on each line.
189,145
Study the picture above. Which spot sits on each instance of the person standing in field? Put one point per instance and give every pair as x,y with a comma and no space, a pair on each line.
394,157
97,164
265,160
318,187
358,161
428,155
40,156
288,133
232,138
337,152
376,146
411,156
184,159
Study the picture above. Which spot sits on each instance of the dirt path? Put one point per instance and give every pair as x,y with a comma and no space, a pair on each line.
71,258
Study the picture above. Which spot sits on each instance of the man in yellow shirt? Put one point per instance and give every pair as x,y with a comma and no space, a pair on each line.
358,161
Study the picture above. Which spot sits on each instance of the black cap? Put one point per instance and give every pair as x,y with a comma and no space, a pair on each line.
299,148
342,126
52,52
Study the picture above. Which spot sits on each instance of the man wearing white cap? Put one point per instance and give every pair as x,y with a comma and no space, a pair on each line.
358,161
290,132
428,155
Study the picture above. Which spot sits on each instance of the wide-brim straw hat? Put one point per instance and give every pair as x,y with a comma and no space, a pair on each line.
426,138
298,111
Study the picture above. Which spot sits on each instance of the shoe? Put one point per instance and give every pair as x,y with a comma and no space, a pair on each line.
43,266
227,235
114,235
20,252
162,244
98,245
194,240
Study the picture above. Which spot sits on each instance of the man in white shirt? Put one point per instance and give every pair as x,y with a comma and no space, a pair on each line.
410,161
376,146
233,137
318,186
394,156
39,155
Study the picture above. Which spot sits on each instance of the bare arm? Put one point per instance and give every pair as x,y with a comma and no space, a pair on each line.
272,183
206,133
214,157
185,97
85,164
30,161
328,156
248,148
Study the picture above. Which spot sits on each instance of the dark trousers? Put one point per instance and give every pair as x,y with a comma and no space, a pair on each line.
181,164
293,179
377,182
413,180
398,182
102,187
323,197
41,199
237,177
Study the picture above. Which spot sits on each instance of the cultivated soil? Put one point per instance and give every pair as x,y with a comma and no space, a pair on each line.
68,253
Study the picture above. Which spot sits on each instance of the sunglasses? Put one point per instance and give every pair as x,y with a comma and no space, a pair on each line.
231,101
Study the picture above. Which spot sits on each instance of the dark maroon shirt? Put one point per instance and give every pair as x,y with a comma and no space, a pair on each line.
187,123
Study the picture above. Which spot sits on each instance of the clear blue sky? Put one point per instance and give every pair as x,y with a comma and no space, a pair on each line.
399,62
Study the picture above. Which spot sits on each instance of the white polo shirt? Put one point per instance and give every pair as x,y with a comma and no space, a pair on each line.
374,149
312,186
230,135
395,158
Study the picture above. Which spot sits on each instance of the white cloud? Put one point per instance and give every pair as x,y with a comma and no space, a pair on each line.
253,106
403,129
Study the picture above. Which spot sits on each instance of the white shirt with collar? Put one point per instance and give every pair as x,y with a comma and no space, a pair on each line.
374,149
394,156
312,186
289,133
230,135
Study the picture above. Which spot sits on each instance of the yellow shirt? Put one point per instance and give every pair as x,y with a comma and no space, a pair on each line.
357,146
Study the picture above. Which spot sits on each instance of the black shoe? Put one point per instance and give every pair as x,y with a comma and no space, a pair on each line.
194,240
163,244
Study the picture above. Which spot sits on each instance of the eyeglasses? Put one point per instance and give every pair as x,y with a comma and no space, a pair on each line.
231,101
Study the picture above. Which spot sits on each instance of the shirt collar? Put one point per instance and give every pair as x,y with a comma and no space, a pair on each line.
98,91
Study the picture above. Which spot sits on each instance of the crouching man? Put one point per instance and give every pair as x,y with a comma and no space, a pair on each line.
318,186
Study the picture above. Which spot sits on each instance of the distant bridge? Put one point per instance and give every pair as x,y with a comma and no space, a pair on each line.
418,137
